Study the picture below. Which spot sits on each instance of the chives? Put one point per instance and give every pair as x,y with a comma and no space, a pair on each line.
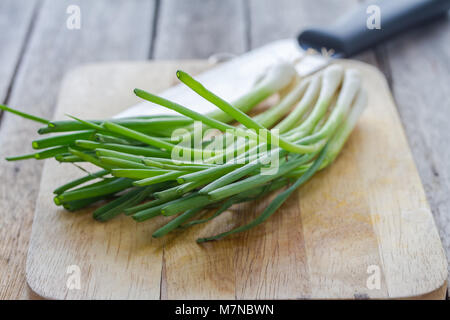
25,115
79,181
111,186
173,175
61,140
140,178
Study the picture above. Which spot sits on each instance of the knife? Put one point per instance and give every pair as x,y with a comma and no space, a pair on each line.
351,34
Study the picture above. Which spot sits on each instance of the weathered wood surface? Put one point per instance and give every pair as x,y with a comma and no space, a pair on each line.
420,64
15,21
128,262
119,31
199,29
408,62
310,249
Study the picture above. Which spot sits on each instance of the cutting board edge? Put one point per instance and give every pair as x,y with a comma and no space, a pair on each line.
34,286
443,281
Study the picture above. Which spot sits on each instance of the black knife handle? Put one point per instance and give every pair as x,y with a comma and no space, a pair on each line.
350,34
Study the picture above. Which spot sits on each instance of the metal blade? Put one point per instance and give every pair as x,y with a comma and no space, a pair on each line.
232,79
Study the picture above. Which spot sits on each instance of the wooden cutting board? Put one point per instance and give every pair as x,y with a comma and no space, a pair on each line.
360,229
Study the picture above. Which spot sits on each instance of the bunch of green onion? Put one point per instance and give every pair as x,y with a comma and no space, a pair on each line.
313,118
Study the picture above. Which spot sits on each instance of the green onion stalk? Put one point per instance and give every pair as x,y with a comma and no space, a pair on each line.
142,174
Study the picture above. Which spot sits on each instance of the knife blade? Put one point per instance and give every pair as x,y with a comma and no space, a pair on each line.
351,34
231,79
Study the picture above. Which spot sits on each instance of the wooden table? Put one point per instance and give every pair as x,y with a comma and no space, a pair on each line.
38,49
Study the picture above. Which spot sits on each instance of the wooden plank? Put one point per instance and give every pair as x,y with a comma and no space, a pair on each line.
288,17
200,28
108,32
429,171
348,218
121,247
409,239
420,78
300,14
286,20
15,20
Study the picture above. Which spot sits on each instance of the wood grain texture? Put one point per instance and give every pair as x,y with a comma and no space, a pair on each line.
360,212
200,28
15,21
108,32
403,60
288,17
404,57
296,16
420,64
126,255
